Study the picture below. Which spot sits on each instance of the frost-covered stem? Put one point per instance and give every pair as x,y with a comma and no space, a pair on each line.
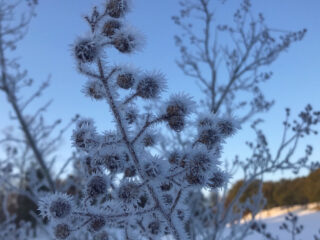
23,124
164,214
88,73
117,216
235,75
293,233
176,201
294,138
145,127
129,99
245,231
130,147
230,208
209,60
274,166
176,174
249,36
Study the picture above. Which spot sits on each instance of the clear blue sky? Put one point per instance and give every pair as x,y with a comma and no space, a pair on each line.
46,50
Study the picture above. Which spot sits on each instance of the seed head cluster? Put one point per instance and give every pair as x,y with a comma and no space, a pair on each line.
125,182
86,51
60,207
97,186
111,27
62,231
150,86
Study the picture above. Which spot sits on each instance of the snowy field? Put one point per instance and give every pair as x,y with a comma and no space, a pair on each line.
308,217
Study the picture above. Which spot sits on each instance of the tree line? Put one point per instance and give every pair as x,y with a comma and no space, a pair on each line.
285,192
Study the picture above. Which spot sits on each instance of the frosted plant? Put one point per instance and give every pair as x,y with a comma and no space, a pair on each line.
236,66
261,228
29,145
290,225
213,222
126,186
230,73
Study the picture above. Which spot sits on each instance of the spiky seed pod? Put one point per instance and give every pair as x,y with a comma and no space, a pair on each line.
84,136
125,80
86,51
166,186
62,231
154,227
148,140
217,181
103,235
117,8
175,117
176,123
130,171
179,104
94,89
194,178
209,137
131,116
124,43
113,162
142,202
97,223
79,139
110,27
128,192
60,207
174,158
175,110
199,162
197,166
149,87
97,185
226,127
205,122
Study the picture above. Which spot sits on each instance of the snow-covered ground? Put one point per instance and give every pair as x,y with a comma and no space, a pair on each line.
308,216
